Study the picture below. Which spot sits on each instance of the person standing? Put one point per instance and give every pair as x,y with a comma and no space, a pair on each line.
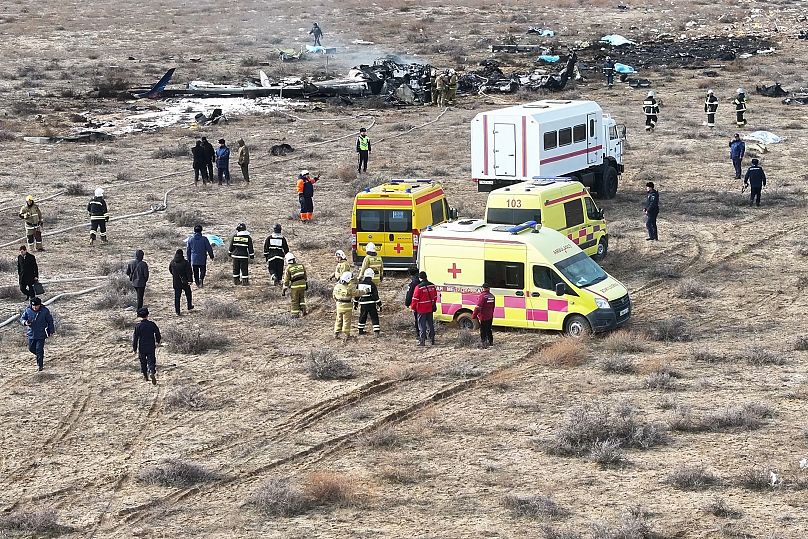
369,303
37,318
756,180
413,271
99,216
651,211
737,149
342,265
197,252
433,86
363,149
344,294
138,272
244,159
608,70
374,262
223,162
275,249
32,216
145,340
317,33
484,312
200,153
294,279
241,251
209,156
424,303
650,108
740,108
28,273
181,275
441,82
451,87
305,195
710,107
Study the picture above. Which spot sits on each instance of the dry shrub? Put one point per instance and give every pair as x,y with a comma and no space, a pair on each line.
750,416
402,475
462,369
122,321
760,357
607,453
194,341
619,365
552,533
718,507
325,365
660,380
108,267
96,158
707,356
76,189
10,292
331,488
186,397
34,523
186,218
7,265
467,339
116,293
279,497
176,473
347,173
691,478
383,437
566,352
534,505
319,289
674,329
692,288
167,152
633,524
408,372
287,320
222,310
6,136
627,342
759,478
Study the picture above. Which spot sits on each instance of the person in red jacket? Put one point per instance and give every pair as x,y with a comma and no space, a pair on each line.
484,312
424,303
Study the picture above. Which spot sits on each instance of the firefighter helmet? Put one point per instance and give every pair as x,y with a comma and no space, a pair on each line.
370,247
369,273
241,227
289,258
346,277
340,254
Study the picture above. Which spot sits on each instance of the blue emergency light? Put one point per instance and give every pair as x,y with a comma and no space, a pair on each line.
524,226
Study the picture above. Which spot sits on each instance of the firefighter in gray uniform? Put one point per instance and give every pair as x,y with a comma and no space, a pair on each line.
241,251
369,303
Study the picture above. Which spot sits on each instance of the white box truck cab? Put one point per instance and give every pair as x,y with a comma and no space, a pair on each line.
545,139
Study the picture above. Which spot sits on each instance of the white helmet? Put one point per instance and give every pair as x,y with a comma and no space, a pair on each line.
651,93
709,92
740,91
340,254
346,277
369,273
99,192
370,247
289,258
304,172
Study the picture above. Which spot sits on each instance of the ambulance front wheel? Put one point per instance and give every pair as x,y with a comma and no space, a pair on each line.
465,321
577,326
603,248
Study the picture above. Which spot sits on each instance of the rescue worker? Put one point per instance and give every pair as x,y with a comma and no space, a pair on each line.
199,153
369,303
344,294
737,149
413,271
317,33
441,82
363,149
223,162
424,303
651,109
241,251
275,248
145,340
710,107
451,87
651,211
39,321
244,160
433,86
608,70
740,108
138,272
180,270
209,156
294,279
28,273
756,180
99,216
342,265
305,195
373,261
484,312
32,216
197,252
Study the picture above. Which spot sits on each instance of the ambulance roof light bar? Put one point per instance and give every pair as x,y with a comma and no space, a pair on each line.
524,226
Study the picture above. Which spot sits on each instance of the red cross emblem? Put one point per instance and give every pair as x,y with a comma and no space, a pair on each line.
398,248
454,270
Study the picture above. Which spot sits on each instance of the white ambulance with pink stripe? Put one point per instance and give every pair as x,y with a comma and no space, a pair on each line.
545,139
540,278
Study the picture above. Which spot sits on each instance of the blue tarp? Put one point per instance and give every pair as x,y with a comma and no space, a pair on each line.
623,68
214,240
549,58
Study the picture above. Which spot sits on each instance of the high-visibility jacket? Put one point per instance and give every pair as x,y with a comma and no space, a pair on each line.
97,208
305,187
341,268
362,143
31,214
275,247
424,297
295,276
375,262
241,245
650,107
344,293
452,82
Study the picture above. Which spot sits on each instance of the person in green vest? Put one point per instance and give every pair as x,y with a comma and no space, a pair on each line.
363,149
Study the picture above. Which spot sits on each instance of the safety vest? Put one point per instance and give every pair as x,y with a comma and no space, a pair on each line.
344,293
296,276
377,264
364,143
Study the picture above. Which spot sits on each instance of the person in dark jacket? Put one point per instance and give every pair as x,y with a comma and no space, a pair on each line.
740,108
710,107
28,272
145,340
424,300
210,156
241,251
99,216
651,211
608,70
180,270
650,108
305,195
369,303
756,179
200,154
223,162
197,252
484,312
138,272
363,149
413,271
317,33
737,149
37,318
275,249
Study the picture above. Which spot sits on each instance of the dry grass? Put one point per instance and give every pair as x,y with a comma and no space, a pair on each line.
674,329
462,369
660,380
186,397
194,340
750,416
32,523
566,352
76,189
534,505
619,365
718,507
384,437
169,152
760,357
223,310
279,497
691,478
332,489
691,289
186,218
176,473
467,339
627,342
633,524
759,478
325,365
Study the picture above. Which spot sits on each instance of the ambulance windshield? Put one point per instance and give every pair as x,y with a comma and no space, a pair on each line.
581,270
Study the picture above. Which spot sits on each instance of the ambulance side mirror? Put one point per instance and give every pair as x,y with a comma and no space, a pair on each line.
560,289
621,129
600,214
453,213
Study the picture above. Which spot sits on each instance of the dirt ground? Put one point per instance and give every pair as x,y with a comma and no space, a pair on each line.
433,442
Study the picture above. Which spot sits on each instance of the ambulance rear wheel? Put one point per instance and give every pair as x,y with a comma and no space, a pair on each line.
608,184
465,321
577,326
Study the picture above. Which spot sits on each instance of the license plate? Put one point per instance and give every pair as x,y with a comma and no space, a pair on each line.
624,312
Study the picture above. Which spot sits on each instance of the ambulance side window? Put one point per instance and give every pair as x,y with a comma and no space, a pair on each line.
505,274
370,220
591,210
550,140
437,212
545,278
574,211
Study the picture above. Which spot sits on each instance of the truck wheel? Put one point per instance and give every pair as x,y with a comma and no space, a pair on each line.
603,248
577,326
465,321
608,185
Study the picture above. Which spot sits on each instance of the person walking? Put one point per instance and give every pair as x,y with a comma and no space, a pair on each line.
608,70
424,303
181,275
317,33
342,265
99,216
651,211
244,159
209,156
413,272
484,313
145,340
305,195
28,273
294,279
223,162
32,216
710,107
369,303
650,108
199,153
241,251
344,294
275,249
138,272
198,250
374,262
39,323
756,180
740,108
363,149
737,149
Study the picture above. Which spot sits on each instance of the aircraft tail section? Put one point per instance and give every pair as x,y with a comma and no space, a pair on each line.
158,88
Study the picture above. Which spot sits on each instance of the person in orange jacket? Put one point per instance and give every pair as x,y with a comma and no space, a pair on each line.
305,194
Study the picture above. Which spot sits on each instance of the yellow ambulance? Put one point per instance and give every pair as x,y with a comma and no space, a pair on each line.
392,216
539,277
558,203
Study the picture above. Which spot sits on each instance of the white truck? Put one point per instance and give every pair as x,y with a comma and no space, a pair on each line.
547,139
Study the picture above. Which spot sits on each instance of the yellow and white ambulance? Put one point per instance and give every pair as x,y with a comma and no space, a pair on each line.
540,278
558,203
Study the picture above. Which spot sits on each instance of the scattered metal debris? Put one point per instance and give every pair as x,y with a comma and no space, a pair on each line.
775,90
79,136
541,32
491,79
281,149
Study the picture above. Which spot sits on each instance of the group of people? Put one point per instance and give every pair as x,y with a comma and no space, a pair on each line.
650,107
204,156
442,87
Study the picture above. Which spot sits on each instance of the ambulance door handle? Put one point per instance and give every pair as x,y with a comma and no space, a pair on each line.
391,237
535,295
519,293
